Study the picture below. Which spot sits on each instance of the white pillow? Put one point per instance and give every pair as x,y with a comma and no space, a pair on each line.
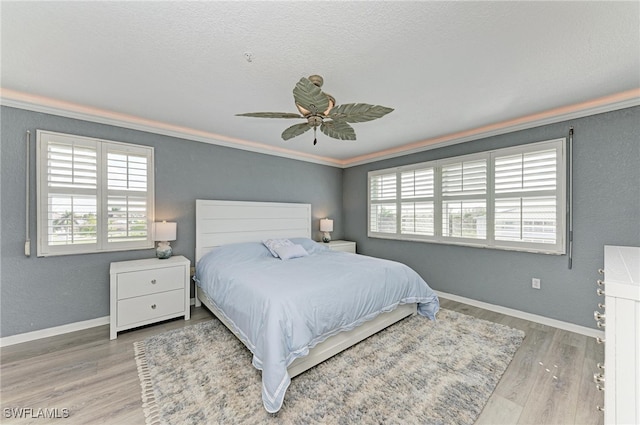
287,252
272,244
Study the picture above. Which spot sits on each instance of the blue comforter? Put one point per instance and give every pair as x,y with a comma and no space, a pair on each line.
282,308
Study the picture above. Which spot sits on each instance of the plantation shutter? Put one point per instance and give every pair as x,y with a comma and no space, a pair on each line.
383,210
127,187
417,201
72,187
511,198
464,199
93,195
526,206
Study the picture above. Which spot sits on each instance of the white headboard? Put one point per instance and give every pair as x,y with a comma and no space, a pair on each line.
223,222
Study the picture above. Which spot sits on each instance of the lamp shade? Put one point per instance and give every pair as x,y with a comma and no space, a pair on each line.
326,225
164,231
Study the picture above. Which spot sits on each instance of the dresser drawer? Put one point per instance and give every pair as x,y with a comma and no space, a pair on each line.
144,282
149,307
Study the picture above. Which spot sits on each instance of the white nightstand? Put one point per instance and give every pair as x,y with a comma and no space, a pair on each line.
148,291
346,246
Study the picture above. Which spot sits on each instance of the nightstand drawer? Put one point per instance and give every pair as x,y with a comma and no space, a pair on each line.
344,246
149,307
134,284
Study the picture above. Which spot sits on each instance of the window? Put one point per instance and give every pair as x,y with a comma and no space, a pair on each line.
511,198
93,195
417,195
382,195
464,198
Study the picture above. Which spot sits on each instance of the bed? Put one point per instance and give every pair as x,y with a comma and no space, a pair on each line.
286,311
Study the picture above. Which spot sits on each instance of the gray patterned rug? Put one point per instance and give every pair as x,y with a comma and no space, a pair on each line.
416,371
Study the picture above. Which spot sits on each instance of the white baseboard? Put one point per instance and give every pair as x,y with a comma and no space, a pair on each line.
583,330
78,326
57,330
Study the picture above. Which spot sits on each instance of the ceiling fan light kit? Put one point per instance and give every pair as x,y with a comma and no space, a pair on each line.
319,109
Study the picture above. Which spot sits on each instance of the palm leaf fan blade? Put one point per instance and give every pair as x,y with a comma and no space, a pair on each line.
358,112
310,97
338,130
295,130
270,115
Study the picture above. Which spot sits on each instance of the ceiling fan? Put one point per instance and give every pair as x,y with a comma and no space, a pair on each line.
319,109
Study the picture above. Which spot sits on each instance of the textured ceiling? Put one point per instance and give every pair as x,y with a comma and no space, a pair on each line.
448,68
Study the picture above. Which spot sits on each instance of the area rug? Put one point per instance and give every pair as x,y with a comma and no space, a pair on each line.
416,371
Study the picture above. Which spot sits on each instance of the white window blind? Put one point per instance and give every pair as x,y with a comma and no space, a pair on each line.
526,206
511,198
464,202
382,193
93,195
126,199
417,196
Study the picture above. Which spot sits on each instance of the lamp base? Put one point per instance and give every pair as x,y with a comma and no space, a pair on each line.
326,237
164,251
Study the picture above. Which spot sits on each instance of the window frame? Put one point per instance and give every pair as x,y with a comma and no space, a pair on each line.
101,192
557,248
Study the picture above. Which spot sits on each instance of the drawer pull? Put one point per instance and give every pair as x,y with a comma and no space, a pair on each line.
598,316
600,282
600,366
600,324
599,387
600,292
598,378
600,271
153,282
600,340
153,306
600,408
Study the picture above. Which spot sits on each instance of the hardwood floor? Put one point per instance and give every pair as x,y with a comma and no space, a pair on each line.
549,380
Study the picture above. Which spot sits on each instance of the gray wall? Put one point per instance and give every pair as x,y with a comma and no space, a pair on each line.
38,293
606,212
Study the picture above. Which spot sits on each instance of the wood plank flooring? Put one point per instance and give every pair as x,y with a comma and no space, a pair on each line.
549,380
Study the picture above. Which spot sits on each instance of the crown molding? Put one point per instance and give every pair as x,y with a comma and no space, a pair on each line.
601,105
20,100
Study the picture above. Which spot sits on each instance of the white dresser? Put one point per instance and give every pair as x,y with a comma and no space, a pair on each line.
148,291
346,246
621,320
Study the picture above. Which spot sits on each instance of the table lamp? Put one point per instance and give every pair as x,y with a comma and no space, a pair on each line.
163,233
326,226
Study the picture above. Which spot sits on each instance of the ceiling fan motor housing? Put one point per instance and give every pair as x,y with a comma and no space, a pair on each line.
314,120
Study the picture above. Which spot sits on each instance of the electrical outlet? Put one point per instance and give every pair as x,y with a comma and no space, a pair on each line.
535,283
